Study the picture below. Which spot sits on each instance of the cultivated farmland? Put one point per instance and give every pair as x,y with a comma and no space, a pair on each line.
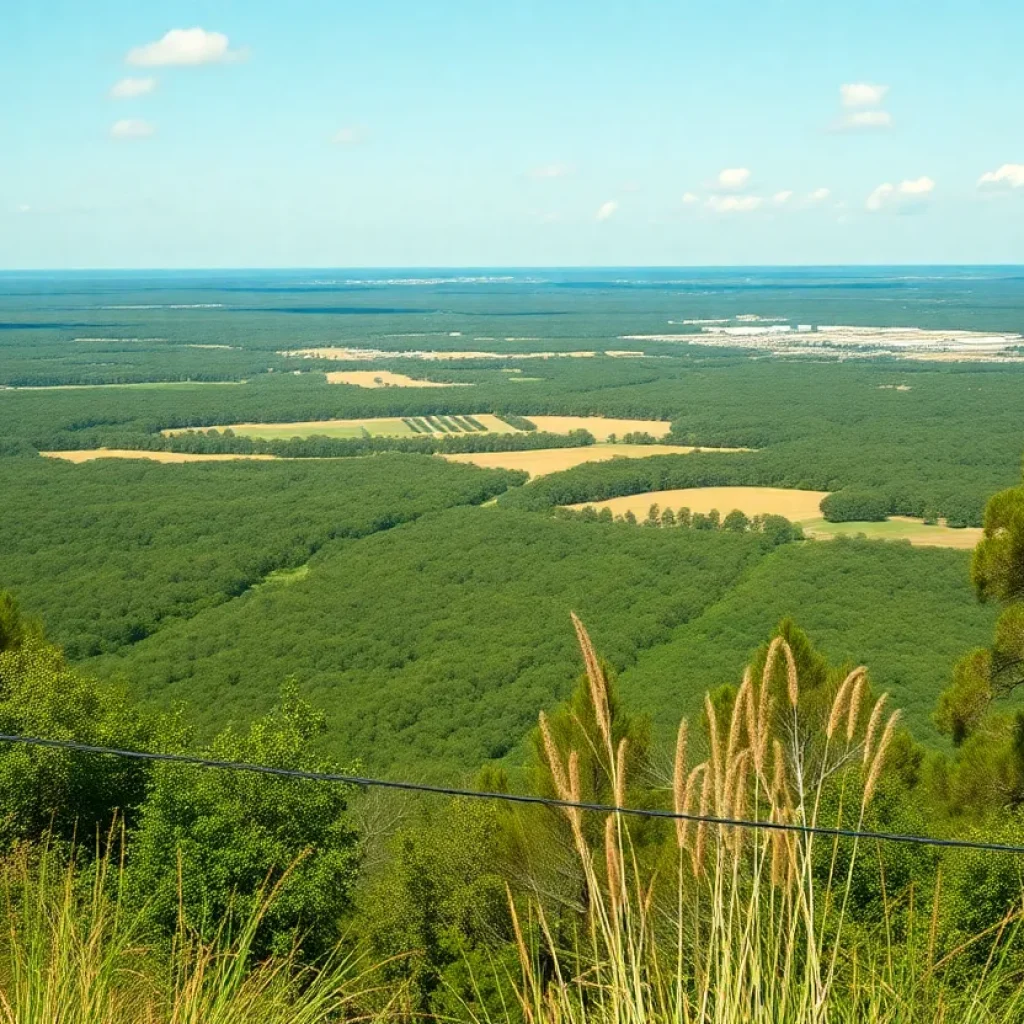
797,506
555,460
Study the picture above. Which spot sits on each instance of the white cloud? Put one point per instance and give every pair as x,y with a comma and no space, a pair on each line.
1007,176
131,128
780,198
733,177
908,195
689,198
348,137
819,195
733,204
183,46
605,210
553,170
862,94
128,88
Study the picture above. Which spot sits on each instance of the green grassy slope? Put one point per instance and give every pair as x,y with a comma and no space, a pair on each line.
907,613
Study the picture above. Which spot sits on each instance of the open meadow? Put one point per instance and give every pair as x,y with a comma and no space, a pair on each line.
541,461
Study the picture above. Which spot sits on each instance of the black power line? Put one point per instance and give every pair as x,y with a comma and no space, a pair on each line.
515,798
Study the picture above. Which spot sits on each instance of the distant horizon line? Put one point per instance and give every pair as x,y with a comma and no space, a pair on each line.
508,268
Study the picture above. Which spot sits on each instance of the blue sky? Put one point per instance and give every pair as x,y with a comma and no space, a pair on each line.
531,133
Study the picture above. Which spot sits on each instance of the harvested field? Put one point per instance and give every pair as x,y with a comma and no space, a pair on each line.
601,427
797,506
385,379
391,426
87,455
899,528
554,460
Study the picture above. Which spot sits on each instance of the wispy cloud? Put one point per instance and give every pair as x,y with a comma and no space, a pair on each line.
1005,177
183,46
734,204
862,94
862,102
605,210
906,197
128,88
783,197
819,195
689,198
733,177
558,169
131,128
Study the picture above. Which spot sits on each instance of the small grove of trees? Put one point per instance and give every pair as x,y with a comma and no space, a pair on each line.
852,506
777,529
201,842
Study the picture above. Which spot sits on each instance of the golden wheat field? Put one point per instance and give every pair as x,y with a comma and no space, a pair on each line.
87,455
385,379
601,427
554,460
797,506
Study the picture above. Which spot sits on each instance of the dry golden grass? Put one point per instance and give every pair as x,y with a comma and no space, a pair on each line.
384,379
88,455
797,506
554,460
599,426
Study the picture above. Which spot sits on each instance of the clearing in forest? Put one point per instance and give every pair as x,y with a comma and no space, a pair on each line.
601,427
540,461
797,506
87,455
899,528
385,379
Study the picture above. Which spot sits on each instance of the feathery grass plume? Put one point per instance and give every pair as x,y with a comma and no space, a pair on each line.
716,750
683,806
612,864
554,760
855,705
840,703
620,773
764,717
769,660
736,796
750,706
792,682
876,765
873,722
702,826
598,684
737,721
679,778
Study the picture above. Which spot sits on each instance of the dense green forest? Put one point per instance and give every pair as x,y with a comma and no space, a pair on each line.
430,646
108,551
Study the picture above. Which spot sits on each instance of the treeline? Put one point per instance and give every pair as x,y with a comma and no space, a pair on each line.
318,446
777,529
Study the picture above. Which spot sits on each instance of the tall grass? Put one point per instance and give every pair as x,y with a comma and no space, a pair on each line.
74,954
749,926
